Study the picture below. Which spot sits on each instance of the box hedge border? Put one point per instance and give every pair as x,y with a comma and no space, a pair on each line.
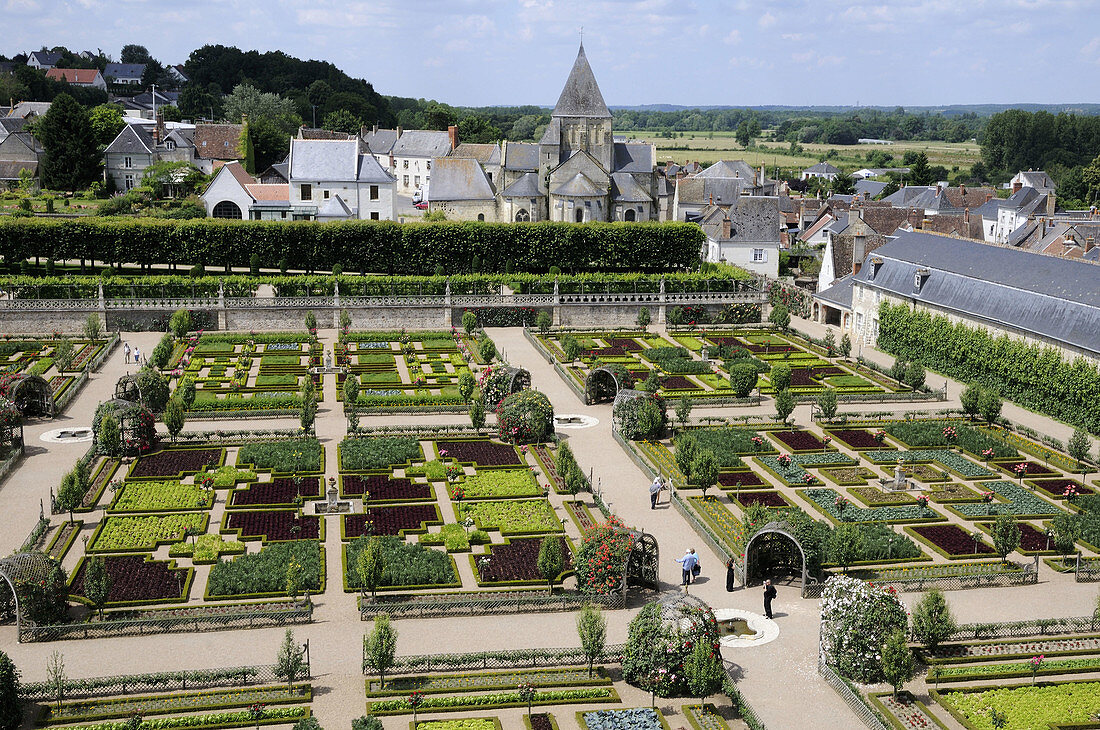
601,679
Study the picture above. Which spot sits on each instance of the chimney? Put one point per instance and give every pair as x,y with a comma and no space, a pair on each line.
962,190
452,132
966,215
762,177
988,197
1090,243
938,189
374,129
727,228
1016,187
1050,204
399,131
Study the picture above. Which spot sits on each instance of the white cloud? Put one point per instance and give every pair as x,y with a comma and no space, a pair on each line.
767,20
734,36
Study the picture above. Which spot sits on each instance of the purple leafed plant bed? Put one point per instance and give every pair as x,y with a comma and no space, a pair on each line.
827,371
274,525
172,462
629,344
385,488
799,440
857,438
1033,468
952,539
678,382
1032,538
540,721
801,376
134,579
281,490
517,560
746,478
390,520
727,341
768,499
1057,487
605,352
483,452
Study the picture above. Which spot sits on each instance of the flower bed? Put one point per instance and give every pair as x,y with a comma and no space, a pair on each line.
496,484
966,652
469,723
948,459
385,488
1058,488
576,676
136,579
849,475
952,492
723,523
272,525
1008,670
639,718
906,710
747,479
926,434
175,462
238,718
1020,502
875,497
481,452
160,496
581,515
792,473
1032,539
856,438
516,560
826,500
728,443
513,516
1026,707
461,703
1031,468
128,534
798,440
175,702
766,498
390,520
951,540
281,490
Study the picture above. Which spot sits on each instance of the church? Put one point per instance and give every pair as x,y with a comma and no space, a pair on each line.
575,173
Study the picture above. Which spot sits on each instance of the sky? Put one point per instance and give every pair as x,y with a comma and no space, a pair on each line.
687,52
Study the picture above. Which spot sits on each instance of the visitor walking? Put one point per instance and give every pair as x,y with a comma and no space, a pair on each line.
137,355
655,491
689,564
731,574
769,595
126,352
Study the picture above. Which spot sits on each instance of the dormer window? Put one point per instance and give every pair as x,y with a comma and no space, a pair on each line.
919,278
876,262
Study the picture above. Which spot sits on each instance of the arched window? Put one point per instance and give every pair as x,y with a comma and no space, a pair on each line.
629,215
481,217
579,215
522,216
227,209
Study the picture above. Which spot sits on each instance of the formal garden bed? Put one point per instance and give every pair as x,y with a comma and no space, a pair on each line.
1041,705
951,541
174,702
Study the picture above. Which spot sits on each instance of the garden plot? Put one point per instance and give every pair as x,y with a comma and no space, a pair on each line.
1045,705
402,371
38,357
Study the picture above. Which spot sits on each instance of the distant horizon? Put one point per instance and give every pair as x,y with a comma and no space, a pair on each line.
687,53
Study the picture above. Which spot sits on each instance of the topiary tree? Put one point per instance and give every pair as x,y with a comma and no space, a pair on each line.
154,389
71,492
845,545
311,322
643,318
856,618
110,436
543,321
571,348
683,410
371,565
660,641
487,349
93,328
704,469
525,417
933,623
784,405
466,385
592,630
780,316
743,377
990,406
351,401
914,375
380,646
97,583
1078,446
687,447
180,323
290,661
704,671
640,415
551,561
63,354
477,414
469,322
11,709
174,417
898,664
780,376
308,413
845,346
1006,535
970,399
186,392
160,355
827,402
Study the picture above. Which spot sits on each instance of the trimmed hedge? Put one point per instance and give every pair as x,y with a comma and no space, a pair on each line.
413,248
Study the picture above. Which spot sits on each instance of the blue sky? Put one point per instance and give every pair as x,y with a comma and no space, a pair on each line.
706,52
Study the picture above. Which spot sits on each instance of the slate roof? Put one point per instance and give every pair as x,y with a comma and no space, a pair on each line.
521,156
729,168
83,76
21,143
27,108
824,168
486,154
372,172
581,96
46,58
965,197
133,139
1048,296
633,157
988,210
279,169
886,219
12,124
552,134
380,141
334,160
702,191
839,294
625,189
905,196
217,141
1036,179
955,224
318,133
579,186
752,218
843,251
459,178
870,188
123,70
526,186
1029,232
422,143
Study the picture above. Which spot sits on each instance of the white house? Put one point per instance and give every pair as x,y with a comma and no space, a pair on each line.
747,234
124,73
233,194
413,153
338,179
821,170
43,60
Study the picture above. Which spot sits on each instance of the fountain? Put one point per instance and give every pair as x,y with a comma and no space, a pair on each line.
333,504
899,483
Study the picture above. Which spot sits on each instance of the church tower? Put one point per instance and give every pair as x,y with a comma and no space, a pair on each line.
580,121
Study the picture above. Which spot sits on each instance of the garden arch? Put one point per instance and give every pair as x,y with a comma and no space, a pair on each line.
31,394
605,383
20,569
774,547
127,389
643,561
136,424
11,427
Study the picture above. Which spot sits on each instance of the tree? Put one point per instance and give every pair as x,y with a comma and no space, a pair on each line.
704,671
309,404
919,171
571,348
247,101
63,354
826,401
72,156
477,414
97,583
71,492
133,53
1067,530
380,646
970,399
342,120
592,629
933,623
371,565
897,370
1006,535
174,416
704,469
543,321
784,405
551,562
290,661
11,710
110,437
246,148
294,574
898,664
186,392
683,410
845,545
990,406
466,385
180,323
1078,446
55,677
781,376
686,449
351,401
107,122
743,377
842,184
469,322
92,326
780,316
914,375
487,349
643,318
845,346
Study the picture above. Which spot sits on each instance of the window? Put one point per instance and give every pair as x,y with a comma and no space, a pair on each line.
490,176
629,215
128,163
325,194
522,216
405,181
129,181
758,255
169,144
374,216
374,192
227,209
859,322
429,164
416,180
282,214
579,215
481,217
405,164
307,191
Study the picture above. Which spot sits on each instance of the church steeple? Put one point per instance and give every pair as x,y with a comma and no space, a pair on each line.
581,96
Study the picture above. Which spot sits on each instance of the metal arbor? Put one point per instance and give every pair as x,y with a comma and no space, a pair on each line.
605,383
21,569
774,549
128,389
11,427
642,562
504,381
135,422
31,394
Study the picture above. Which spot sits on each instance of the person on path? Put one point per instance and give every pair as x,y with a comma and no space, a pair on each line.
137,355
655,491
126,352
687,565
731,575
769,595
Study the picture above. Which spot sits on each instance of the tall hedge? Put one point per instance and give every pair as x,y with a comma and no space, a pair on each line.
382,247
1034,376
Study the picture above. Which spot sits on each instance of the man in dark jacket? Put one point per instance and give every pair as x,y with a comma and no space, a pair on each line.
769,594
